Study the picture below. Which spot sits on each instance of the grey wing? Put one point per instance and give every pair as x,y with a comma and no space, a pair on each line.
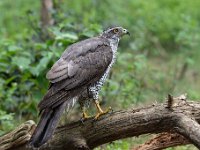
77,70
62,69
82,69
69,63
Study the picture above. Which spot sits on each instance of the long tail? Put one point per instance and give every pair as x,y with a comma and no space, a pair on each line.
48,122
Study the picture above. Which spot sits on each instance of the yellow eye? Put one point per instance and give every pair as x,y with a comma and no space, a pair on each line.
115,30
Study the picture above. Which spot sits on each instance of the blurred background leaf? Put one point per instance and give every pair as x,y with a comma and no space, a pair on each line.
161,56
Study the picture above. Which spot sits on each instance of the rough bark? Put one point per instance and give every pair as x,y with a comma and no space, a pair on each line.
19,136
162,141
169,117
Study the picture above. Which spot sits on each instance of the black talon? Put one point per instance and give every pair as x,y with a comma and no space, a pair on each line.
82,121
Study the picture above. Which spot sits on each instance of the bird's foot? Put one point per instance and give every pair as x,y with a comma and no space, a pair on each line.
101,112
85,117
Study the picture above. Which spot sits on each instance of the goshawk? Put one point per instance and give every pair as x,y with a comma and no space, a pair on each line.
78,75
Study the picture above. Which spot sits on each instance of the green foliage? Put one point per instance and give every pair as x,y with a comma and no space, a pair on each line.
6,121
187,147
164,38
25,60
117,145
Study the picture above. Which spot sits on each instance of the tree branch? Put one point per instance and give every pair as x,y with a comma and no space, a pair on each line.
46,13
17,137
128,123
189,128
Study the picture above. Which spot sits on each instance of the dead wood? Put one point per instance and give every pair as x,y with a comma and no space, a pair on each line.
162,141
182,117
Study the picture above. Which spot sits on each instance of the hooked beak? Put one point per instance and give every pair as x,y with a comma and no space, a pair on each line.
125,31
128,33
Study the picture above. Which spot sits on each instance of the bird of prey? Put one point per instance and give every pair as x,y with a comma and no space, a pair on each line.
78,75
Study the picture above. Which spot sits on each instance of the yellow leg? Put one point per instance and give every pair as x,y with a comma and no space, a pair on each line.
85,115
100,111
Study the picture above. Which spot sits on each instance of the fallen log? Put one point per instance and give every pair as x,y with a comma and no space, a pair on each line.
178,115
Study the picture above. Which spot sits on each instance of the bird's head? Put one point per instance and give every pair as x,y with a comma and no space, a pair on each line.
115,33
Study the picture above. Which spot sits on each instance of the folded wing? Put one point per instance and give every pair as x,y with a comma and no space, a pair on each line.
80,65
